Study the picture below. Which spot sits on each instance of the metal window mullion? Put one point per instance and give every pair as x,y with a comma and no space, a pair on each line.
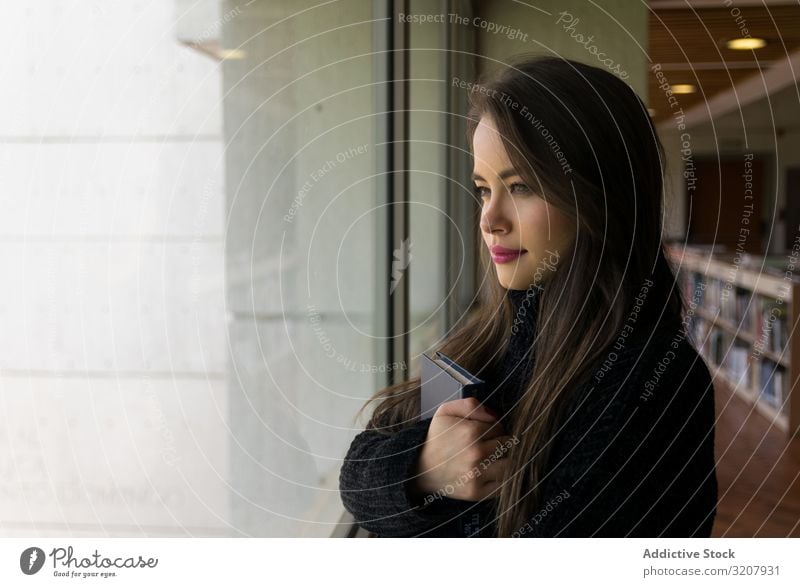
398,206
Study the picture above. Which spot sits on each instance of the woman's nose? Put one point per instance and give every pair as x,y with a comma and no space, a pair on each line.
493,217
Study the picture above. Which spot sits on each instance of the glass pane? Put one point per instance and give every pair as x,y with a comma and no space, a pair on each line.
442,208
300,256
427,184
189,217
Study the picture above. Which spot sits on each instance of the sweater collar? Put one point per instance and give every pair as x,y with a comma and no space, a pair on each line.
525,303
525,297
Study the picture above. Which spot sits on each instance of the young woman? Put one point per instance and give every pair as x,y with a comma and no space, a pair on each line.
598,414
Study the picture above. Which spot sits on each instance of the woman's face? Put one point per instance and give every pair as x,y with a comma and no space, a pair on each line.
514,216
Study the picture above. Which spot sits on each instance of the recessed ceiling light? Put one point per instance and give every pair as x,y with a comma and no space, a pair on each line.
233,54
745,43
683,88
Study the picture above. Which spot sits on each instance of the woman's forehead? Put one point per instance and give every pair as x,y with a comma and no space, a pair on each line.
489,151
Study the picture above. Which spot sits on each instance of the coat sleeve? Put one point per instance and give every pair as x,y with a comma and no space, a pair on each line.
374,484
635,458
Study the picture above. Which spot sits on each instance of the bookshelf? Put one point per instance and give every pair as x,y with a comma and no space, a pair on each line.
743,319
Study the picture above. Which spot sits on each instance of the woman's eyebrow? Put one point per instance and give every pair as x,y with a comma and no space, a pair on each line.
503,175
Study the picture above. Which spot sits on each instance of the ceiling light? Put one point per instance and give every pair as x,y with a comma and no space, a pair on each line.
745,43
683,88
233,54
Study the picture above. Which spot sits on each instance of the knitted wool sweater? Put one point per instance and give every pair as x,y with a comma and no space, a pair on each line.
634,455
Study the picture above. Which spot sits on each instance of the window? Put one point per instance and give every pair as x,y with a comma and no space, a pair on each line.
200,291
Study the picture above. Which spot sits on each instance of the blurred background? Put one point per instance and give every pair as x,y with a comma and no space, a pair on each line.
227,224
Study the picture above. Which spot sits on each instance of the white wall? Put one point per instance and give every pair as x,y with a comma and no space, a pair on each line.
112,388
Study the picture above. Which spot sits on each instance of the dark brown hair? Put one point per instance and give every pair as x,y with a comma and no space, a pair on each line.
583,139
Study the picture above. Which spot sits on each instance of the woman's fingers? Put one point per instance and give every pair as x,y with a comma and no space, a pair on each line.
487,431
493,471
492,465
497,447
468,407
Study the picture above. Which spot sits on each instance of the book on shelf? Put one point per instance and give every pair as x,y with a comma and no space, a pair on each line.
713,295
692,284
736,363
743,325
716,343
772,333
771,381
698,329
735,305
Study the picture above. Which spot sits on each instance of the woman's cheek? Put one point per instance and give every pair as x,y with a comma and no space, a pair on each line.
559,232
547,242
539,232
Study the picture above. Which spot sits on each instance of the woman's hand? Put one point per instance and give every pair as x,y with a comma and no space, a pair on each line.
462,454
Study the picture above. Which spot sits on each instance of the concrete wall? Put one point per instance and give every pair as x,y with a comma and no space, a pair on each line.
113,391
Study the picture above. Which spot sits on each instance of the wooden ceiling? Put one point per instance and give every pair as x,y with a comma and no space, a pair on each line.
688,40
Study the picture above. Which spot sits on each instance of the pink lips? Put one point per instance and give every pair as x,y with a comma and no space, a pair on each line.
504,255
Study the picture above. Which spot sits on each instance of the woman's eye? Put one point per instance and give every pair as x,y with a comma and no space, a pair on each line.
478,189
519,188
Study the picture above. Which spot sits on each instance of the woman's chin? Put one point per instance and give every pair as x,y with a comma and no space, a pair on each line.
512,283
515,281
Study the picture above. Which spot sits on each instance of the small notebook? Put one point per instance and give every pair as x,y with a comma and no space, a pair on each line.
444,380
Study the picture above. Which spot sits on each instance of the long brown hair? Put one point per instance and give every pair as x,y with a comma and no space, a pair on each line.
585,140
